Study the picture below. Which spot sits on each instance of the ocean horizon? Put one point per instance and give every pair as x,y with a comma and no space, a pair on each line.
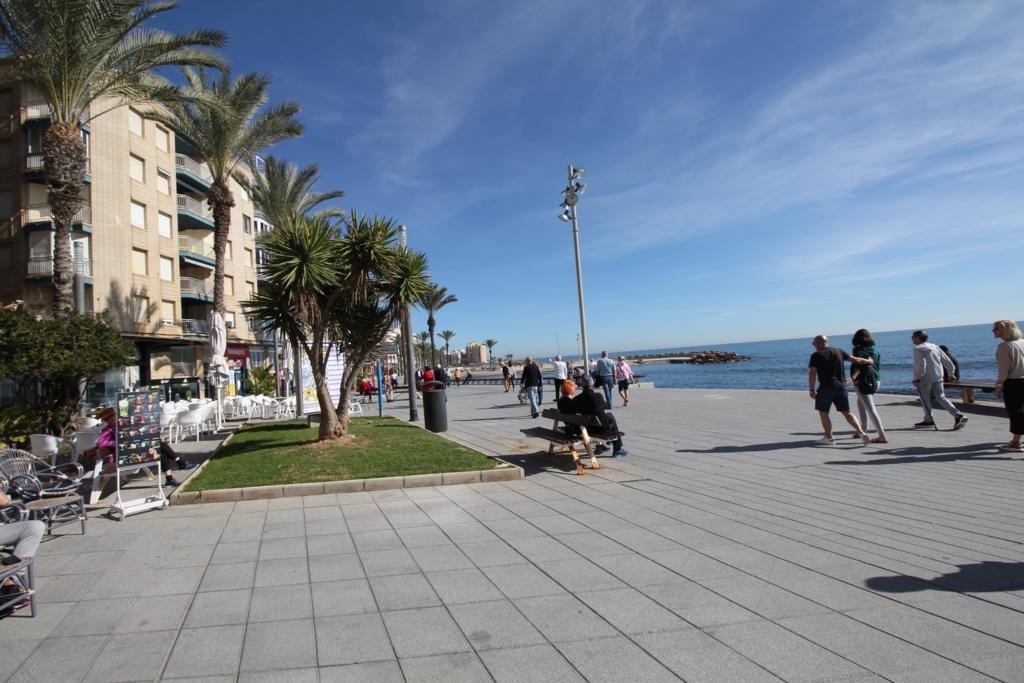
782,363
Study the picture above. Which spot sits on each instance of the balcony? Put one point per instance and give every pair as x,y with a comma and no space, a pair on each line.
193,213
193,173
195,328
40,216
41,267
34,171
39,113
196,289
196,252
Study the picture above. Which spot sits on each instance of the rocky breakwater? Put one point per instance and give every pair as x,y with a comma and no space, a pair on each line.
694,357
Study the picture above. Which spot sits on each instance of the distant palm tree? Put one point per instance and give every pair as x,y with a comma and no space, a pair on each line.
421,341
433,301
283,190
490,344
447,335
226,127
75,54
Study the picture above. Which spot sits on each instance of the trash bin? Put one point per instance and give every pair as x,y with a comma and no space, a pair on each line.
435,407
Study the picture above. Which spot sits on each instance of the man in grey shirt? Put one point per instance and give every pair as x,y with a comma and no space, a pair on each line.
929,361
606,375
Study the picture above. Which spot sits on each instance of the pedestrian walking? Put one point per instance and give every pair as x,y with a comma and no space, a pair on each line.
532,380
506,376
1010,384
624,377
929,362
606,375
948,376
458,376
827,367
561,374
866,380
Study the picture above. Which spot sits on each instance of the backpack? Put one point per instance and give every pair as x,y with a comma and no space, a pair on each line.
867,380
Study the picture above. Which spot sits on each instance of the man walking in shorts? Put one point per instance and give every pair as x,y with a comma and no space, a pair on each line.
826,366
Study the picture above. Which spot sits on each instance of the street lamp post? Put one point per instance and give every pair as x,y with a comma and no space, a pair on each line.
410,371
571,197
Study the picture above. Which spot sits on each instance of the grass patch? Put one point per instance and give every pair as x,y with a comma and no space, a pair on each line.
287,453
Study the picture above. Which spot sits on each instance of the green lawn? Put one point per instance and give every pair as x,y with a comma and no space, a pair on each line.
286,453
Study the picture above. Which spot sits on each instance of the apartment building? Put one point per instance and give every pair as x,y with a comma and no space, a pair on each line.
476,354
143,241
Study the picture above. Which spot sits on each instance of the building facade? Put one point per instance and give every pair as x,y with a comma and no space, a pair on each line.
476,354
142,244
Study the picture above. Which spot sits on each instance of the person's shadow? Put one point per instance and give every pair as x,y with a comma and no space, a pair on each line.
970,578
760,447
917,454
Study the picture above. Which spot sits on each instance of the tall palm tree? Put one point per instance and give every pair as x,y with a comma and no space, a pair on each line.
282,190
421,342
490,344
447,335
77,52
227,126
433,301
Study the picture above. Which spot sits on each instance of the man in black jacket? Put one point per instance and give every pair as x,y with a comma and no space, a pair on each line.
532,380
589,402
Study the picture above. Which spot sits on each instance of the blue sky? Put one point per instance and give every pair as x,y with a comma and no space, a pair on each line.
756,170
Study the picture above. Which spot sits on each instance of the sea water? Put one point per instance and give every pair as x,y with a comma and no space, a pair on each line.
782,364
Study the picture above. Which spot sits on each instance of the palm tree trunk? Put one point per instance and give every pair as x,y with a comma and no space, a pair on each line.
221,200
64,159
433,349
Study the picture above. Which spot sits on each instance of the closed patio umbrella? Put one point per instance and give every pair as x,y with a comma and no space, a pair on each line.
218,365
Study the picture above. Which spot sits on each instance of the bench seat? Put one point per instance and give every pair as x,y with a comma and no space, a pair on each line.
969,386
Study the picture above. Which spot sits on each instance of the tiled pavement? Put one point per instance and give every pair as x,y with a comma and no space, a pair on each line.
724,548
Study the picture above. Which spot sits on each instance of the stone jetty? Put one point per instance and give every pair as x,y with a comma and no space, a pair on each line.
694,357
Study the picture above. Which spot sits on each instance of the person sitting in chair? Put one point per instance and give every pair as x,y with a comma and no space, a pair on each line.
23,538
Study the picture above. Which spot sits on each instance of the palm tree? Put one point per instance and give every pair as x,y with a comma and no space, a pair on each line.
433,301
447,335
77,53
490,344
226,127
283,190
421,342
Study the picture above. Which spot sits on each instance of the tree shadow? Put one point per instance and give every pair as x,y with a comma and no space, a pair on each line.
125,311
915,454
969,578
488,419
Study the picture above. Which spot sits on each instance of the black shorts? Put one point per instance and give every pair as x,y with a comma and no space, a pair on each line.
834,395
623,385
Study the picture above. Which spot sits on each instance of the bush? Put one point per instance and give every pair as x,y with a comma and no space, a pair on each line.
48,359
261,381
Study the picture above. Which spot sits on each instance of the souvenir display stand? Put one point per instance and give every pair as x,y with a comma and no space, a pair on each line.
138,447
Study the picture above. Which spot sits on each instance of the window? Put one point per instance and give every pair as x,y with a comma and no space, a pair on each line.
229,319
138,215
229,285
246,224
167,311
135,122
140,262
163,139
6,153
163,182
136,168
140,306
6,203
6,257
39,244
166,269
228,250
34,140
251,287
163,222
248,257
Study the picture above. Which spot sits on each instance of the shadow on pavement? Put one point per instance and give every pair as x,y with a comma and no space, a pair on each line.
539,462
757,447
970,578
912,454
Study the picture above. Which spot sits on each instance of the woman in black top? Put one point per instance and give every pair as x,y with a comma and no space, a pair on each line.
866,380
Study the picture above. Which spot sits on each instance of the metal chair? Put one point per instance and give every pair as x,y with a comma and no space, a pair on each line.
48,493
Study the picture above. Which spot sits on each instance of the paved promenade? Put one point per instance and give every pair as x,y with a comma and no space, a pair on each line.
726,547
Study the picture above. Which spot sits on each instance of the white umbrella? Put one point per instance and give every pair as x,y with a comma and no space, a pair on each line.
286,368
218,365
129,376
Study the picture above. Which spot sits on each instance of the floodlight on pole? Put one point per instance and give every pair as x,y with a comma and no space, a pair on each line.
571,197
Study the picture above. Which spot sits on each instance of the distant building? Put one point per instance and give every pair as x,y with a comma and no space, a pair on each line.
476,354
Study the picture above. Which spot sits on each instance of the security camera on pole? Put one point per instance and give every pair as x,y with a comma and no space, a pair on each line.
571,197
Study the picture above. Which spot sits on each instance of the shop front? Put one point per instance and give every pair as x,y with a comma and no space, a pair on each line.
237,357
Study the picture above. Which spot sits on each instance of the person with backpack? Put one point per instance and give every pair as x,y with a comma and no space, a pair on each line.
866,381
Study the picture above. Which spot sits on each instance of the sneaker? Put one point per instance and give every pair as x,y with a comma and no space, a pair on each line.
171,481
621,453
825,441
600,449
865,439
925,423
961,420
1011,447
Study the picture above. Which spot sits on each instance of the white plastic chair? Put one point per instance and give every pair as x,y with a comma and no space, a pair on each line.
86,439
191,421
355,408
46,446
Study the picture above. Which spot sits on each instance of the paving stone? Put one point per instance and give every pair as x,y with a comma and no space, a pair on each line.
275,603
295,529
388,562
403,591
424,632
325,511
522,581
322,500
334,598
563,618
542,549
635,570
384,539
282,572
590,543
206,652
241,551
15,652
335,567
695,656
219,577
491,553
219,608
692,565
698,605
59,659
579,574
468,532
614,659
368,672
329,544
93,617
282,548
631,611
305,675
528,664
454,668
132,657
35,628
440,557
279,645
352,639
463,585
495,625
422,536
763,598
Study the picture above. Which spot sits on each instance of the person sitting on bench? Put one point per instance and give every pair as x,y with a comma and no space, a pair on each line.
589,402
25,538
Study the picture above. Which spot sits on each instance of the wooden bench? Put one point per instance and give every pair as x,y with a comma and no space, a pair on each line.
970,385
557,437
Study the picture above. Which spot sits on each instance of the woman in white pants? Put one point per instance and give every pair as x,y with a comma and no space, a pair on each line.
866,380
